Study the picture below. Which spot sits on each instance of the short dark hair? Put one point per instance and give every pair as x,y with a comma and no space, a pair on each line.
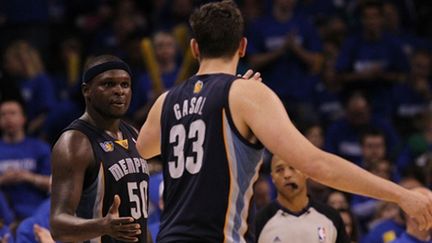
371,132
218,28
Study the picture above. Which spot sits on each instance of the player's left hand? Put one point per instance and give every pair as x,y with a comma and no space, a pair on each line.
251,75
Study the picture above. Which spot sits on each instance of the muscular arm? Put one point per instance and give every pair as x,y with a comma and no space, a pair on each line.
254,105
149,138
72,154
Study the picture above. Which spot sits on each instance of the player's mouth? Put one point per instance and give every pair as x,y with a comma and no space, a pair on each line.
291,185
118,103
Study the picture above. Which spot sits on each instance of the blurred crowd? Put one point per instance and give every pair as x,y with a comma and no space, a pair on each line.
354,76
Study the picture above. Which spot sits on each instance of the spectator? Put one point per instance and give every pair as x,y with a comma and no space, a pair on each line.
24,162
293,216
392,24
24,65
413,97
337,200
412,233
350,224
31,227
390,229
417,150
343,136
372,60
286,48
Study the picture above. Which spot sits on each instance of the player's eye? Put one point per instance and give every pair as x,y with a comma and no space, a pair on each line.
125,85
108,84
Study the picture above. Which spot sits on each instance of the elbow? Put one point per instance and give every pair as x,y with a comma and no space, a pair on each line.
57,233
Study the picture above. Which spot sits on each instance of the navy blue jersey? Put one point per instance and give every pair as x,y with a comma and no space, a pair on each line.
118,170
209,168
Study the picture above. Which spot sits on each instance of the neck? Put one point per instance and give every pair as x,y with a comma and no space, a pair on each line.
166,67
218,65
295,204
14,137
109,125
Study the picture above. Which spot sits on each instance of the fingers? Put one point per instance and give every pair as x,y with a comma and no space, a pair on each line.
115,206
127,232
122,221
248,74
251,75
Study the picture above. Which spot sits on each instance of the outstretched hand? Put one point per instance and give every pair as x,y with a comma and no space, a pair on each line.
251,75
121,228
418,205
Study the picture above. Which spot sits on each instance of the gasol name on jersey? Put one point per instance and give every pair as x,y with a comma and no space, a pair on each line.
193,106
128,166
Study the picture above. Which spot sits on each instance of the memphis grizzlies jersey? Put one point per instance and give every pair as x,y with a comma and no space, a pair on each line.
118,170
209,168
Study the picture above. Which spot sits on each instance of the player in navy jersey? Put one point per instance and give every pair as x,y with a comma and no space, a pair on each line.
209,132
100,183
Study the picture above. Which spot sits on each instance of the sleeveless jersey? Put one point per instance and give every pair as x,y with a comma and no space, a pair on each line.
209,168
118,170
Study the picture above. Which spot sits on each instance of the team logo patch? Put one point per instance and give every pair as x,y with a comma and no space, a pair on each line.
322,235
107,146
124,143
198,86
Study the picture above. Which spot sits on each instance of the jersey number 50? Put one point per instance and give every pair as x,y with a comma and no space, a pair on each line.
178,135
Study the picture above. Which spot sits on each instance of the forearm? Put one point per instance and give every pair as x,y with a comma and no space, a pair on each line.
41,182
346,176
68,228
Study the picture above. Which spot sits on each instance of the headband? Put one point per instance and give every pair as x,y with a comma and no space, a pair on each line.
100,68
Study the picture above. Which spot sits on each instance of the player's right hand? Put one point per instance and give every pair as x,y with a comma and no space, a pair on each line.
418,205
251,75
121,228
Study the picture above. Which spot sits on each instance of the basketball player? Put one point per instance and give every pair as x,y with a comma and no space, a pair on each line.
211,129
100,183
295,217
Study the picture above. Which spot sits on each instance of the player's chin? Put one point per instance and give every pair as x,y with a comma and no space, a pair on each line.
117,114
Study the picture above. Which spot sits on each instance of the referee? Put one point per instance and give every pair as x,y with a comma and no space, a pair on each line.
293,217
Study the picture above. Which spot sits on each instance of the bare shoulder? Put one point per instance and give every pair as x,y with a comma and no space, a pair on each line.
72,147
248,93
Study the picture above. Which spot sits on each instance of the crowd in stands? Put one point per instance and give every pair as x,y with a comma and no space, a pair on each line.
354,76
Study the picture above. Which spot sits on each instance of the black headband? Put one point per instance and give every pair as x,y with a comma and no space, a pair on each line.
100,68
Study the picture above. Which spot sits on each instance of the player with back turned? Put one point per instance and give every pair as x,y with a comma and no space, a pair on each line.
100,183
210,132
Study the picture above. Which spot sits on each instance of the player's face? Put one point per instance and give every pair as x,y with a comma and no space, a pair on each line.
288,181
110,93
11,117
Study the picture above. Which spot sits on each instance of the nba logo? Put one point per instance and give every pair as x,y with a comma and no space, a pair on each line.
321,234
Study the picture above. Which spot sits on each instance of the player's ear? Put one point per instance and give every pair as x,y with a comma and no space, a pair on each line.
85,90
242,47
195,48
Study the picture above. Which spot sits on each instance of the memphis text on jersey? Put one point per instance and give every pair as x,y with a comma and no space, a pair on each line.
128,166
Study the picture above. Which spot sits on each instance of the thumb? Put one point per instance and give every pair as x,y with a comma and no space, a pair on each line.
115,205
